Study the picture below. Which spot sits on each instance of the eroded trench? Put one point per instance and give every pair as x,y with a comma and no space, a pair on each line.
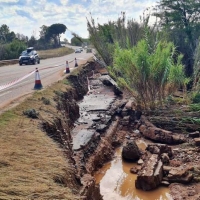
106,122
109,144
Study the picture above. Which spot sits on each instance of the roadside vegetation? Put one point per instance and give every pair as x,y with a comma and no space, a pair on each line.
153,61
12,44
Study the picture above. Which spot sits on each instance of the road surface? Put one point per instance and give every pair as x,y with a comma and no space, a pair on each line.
54,72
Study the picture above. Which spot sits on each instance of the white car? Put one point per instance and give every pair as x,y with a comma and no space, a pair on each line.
78,51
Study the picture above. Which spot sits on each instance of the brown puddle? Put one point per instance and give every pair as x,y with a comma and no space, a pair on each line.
117,183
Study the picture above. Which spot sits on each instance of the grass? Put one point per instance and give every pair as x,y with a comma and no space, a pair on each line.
194,107
62,51
32,165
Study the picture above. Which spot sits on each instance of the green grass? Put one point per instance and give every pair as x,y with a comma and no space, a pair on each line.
7,117
192,120
194,107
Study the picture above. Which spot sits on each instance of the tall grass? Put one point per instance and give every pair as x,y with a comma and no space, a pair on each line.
103,37
152,73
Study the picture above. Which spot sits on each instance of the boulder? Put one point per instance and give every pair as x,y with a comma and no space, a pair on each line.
131,151
151,174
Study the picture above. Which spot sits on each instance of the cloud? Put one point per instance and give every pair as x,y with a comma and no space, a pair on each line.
27,16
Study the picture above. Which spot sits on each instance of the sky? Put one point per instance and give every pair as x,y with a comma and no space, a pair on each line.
27,16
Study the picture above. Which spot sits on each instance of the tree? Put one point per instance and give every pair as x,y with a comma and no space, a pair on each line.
32,41
180,19
11,36
43,31
181,14
4,31
54,32
76,41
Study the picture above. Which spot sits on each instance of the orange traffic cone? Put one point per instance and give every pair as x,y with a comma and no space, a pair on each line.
67,68
38,84
76,64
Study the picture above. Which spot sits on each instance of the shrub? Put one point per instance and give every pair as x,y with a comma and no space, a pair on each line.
46,101
31,113
152,73
196,98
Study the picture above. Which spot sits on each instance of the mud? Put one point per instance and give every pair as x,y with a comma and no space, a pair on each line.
116,181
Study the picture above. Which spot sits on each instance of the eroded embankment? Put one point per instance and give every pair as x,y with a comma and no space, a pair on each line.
89,132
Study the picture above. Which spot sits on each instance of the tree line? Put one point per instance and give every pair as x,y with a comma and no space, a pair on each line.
12,44
152,60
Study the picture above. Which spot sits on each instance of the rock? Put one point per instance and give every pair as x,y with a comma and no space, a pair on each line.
131,151
159,149
197,141
177,174
108,81
140,162
151,174
165,158
124,112
129,105
125,121
194,134
157,134
135,170
136,131
165,183
117,91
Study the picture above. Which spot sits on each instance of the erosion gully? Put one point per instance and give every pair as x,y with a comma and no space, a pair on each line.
106,122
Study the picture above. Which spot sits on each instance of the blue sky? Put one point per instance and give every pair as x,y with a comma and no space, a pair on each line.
27,16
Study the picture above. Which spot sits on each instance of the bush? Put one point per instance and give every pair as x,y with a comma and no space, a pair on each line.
31,113
152,73
46,101
12,50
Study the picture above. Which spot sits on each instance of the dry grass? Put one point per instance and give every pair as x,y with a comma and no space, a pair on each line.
31,163
62,51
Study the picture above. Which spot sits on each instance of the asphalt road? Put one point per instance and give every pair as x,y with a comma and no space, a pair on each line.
54,72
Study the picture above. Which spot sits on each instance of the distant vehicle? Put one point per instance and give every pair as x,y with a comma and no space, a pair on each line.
81,49
29,56
78,50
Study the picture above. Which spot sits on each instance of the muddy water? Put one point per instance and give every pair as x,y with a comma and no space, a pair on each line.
117,183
